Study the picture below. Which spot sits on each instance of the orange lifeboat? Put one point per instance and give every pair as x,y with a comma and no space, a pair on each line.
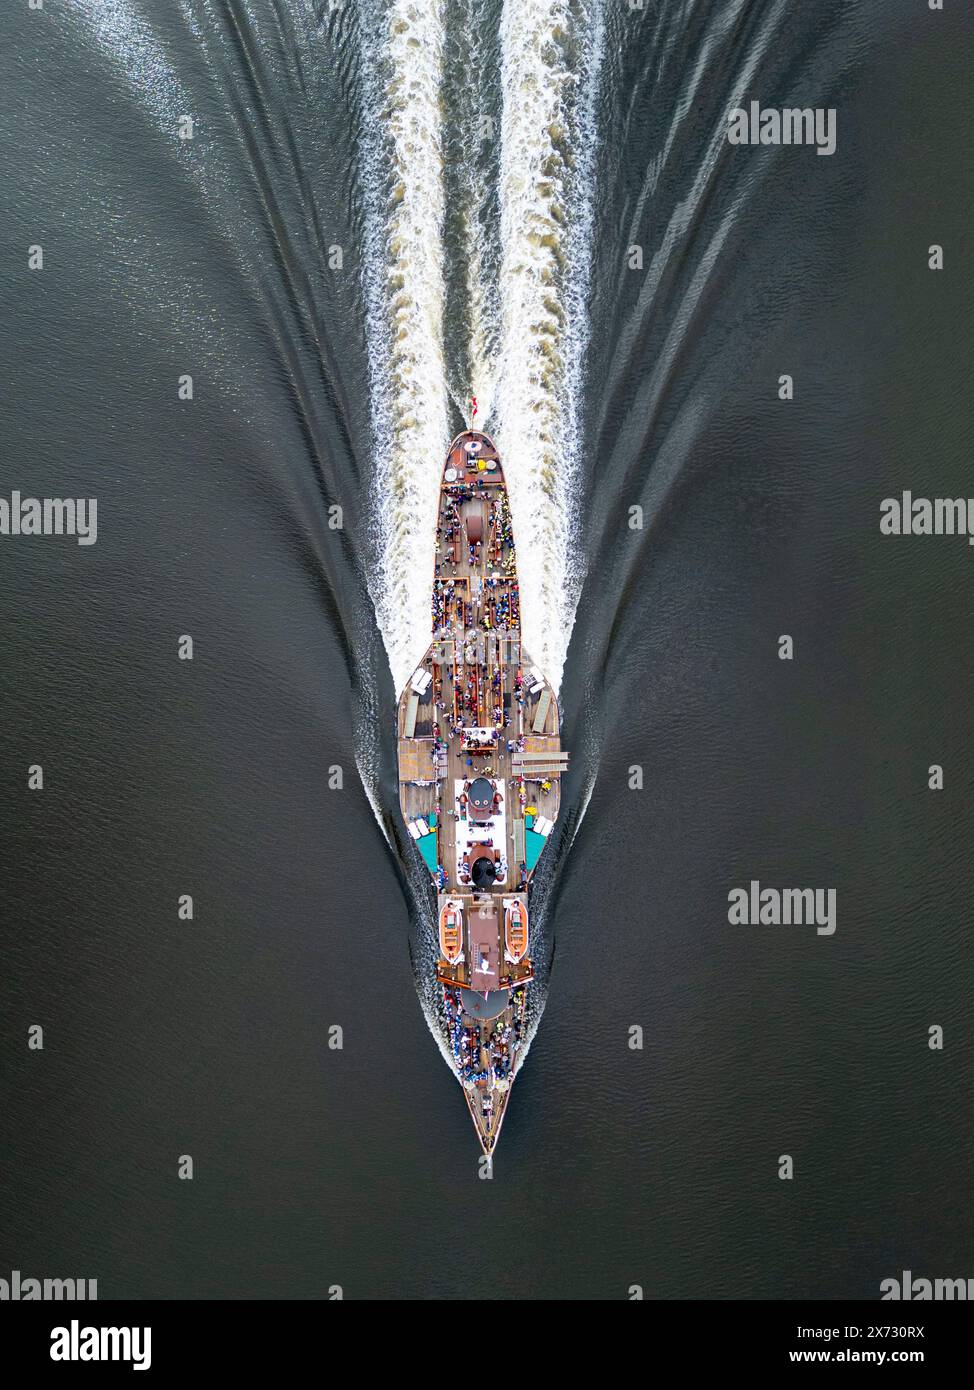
451,931
516,929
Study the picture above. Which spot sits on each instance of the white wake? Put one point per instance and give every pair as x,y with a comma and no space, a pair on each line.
551,54
527,364
403,279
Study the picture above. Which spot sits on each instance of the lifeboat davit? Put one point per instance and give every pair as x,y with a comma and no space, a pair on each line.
451,931
515,929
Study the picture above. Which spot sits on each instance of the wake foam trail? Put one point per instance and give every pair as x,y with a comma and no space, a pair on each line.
480,236
551,56
403,282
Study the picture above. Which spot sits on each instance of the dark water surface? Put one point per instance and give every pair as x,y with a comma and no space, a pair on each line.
357,1167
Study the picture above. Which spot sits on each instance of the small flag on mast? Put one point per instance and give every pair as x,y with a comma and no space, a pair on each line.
473,402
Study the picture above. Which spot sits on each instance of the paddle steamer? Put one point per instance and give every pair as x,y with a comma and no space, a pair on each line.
480,763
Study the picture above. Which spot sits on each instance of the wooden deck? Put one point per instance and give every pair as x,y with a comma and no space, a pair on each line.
481,680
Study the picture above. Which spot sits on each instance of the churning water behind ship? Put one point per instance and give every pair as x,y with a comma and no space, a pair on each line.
385,208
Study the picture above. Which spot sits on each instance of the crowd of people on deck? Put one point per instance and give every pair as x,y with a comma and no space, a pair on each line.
464,1040
466,690
500,520
498,607
448,530
469,1061
468,694
466,1043
500,602
501,1053
449,607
